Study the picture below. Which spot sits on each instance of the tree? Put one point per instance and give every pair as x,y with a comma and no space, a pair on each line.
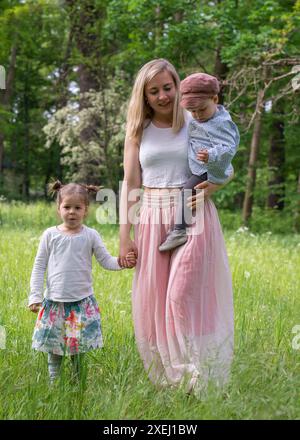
277,158
98,160
262,68
33,32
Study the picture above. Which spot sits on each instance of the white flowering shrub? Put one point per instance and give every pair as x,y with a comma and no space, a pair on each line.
90,131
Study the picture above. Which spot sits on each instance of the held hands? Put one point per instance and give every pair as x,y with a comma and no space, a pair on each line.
203,155
35,307
128,253
128,262
131,259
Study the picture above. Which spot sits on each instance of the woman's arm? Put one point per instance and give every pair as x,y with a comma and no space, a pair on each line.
132,181
209,188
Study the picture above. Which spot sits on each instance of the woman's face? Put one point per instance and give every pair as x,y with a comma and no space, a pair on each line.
160,93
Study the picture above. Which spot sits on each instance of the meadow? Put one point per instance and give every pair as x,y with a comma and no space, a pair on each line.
265,378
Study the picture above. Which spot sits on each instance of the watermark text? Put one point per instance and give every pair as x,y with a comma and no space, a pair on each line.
2,338
165,206
296,339
2,78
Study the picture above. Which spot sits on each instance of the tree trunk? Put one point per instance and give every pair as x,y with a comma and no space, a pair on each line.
5,96
297,210
1,153
62,82
276,161
54,166
220,68
254,149
85,17
158,26
220,71
26,171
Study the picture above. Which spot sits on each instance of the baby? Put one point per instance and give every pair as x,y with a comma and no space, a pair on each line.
213,141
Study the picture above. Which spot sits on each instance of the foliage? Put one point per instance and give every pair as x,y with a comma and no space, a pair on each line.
265,376
67,46
91,161
37,30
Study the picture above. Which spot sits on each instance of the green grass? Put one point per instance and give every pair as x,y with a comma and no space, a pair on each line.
265,378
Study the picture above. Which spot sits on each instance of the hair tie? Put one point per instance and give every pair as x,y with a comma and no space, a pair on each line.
92,188
54,187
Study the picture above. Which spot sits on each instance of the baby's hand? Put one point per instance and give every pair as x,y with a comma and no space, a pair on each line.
131,259
203,156
35,307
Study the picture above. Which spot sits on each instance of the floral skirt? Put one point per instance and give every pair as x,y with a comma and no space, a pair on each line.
68,328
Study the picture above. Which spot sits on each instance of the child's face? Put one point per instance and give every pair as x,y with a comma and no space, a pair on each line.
72,211
205,110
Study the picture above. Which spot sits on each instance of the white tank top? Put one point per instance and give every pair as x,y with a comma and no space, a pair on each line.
164,157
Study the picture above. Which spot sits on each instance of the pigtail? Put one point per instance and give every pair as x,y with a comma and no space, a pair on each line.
57,188
92,188
54,187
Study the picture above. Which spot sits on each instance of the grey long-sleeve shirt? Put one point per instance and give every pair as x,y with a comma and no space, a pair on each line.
68,262
220,136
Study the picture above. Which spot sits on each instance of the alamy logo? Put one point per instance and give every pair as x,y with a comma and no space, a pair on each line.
2,338
2,77
296,79
107,211
296,339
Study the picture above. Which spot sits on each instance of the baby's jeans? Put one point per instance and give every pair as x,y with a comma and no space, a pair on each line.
183,213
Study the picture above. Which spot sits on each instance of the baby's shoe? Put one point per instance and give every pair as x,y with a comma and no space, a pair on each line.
175,238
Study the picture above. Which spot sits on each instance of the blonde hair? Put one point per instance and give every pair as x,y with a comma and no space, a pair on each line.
139,110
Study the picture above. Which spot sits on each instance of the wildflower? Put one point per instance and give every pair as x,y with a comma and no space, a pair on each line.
242,229
246,274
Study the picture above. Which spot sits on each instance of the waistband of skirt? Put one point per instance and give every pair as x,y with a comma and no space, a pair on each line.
160,199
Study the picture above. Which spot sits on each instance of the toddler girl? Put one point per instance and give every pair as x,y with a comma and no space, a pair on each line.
213,141
68,322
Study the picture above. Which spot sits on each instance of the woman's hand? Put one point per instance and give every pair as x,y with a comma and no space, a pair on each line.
35,307
208,188
127,247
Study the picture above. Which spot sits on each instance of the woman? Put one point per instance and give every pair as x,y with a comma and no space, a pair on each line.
182,300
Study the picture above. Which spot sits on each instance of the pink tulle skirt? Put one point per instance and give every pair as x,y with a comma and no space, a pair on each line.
182,299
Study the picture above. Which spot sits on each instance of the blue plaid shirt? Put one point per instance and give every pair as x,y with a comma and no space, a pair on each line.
220,136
